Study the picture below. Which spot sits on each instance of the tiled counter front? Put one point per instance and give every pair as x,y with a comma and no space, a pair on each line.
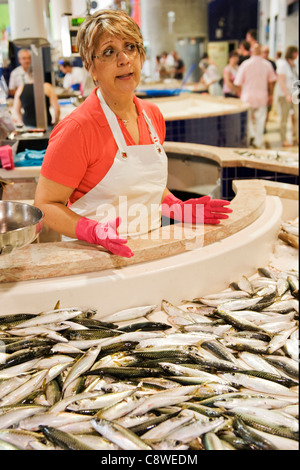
238,173
227,130
204,119
234,164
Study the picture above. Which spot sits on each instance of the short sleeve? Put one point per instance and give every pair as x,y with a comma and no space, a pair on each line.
66,158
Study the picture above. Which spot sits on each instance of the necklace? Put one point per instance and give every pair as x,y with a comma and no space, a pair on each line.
125,122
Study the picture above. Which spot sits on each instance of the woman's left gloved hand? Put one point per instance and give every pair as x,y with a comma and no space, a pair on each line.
202,210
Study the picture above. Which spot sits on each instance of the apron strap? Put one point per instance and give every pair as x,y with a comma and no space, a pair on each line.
114,125
118,134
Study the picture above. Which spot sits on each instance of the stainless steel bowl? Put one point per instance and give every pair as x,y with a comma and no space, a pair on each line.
20,225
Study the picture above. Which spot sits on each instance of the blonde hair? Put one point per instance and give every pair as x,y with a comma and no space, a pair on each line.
114,22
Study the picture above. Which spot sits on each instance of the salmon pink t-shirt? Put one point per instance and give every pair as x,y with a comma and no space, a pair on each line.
82,147
254,76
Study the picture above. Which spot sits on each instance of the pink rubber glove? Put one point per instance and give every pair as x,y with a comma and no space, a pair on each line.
6,157
196,211
104,234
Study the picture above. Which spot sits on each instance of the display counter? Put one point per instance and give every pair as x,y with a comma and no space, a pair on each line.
208,169
205,119
193,168
171,264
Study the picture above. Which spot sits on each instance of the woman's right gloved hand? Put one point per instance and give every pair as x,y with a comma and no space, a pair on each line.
104,234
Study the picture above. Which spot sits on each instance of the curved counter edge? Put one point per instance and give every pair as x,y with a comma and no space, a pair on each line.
185,276
228,157
56,259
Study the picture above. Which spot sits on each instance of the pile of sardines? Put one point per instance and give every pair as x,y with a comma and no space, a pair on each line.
220,372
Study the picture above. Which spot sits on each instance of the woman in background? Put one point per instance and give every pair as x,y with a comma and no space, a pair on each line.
229,74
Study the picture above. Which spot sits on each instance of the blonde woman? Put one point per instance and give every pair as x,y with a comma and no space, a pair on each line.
104,174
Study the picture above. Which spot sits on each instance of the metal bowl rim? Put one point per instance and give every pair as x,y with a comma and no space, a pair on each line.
42,215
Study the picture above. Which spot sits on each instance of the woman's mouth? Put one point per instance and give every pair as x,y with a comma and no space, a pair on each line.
125,76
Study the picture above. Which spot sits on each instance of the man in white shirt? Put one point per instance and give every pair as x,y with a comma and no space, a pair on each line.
73,75
22,74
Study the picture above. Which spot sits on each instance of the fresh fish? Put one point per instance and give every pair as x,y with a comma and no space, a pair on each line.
119,435
282,286
190,431
119,409
281,443
129,314
55,420
20,438
145,326
266,272
258,384
245,285
171,309
7,386
165,398
96,442
52,392
283,306
265,423
18,369
65,402
100,401
255,440
162,430
50,317
19,357
260,401
14,416
212,364
83,364
24,390
246,344
225,295
63,440
256,362
236,321
38,330
279,340
212,442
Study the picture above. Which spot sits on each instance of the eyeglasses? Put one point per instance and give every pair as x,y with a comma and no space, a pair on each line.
110,54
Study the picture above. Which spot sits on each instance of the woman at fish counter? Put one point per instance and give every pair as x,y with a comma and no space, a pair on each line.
104,174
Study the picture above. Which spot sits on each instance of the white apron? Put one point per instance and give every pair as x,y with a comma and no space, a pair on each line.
133,186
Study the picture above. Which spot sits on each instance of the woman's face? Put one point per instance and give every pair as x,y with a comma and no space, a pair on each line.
234,60
116,69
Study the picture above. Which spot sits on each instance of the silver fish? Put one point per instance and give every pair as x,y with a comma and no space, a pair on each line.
190,431
129,314
24,390
14,416
162,430
83,364
258,384
50,317
119,435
